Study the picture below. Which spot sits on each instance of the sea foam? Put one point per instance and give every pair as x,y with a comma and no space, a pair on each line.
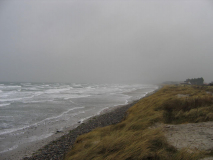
47,106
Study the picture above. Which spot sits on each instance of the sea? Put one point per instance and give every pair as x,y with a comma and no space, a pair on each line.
34,111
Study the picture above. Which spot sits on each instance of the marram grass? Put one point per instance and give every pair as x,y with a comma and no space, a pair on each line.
135,138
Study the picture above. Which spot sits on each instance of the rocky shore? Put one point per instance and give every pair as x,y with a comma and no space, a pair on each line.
57,149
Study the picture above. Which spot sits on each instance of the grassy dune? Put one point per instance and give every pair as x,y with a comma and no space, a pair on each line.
136,138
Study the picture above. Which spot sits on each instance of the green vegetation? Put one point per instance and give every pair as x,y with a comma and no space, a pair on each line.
136,138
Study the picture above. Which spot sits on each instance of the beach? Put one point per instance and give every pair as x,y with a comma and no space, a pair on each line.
152,127
34,114
59,139
56,146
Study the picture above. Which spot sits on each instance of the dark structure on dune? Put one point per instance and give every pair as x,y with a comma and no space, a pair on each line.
195,81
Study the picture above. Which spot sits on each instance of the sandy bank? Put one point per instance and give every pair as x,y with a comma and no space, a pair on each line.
194,136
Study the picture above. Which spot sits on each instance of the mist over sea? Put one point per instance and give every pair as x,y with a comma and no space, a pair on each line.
34,111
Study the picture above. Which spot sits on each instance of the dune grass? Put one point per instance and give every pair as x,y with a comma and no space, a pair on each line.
135,138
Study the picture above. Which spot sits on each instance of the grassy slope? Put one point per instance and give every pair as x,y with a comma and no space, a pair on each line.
133,138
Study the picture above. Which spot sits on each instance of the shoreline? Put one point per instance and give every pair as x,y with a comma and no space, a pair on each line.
57,145
63,144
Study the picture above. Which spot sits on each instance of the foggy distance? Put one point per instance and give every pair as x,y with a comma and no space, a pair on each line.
105,41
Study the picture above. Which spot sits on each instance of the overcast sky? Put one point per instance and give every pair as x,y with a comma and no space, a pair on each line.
147,41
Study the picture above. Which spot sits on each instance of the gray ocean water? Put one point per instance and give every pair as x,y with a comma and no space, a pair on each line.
35,111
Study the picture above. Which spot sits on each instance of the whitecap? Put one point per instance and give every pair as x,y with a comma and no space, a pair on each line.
6,116
62,114
38,101
76,96
52,91
15,86
9,100
8,131
75,114
84,119
4,104
9,149
40,137
38,93
15,99
26,84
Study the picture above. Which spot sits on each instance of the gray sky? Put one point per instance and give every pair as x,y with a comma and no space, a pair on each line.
147,41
